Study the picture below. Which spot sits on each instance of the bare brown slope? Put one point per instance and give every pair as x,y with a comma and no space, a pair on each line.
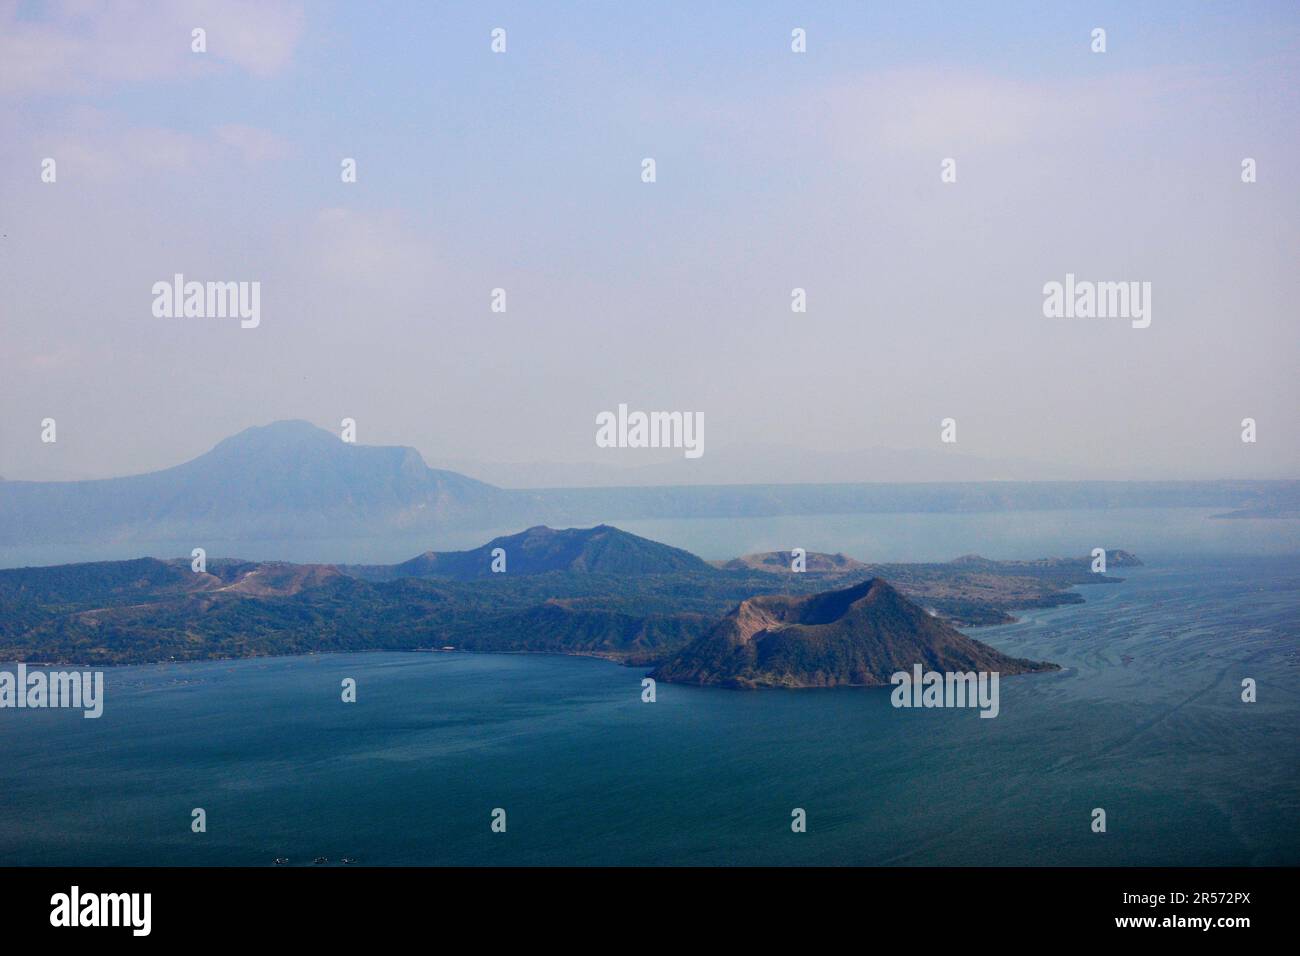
280,579
856,636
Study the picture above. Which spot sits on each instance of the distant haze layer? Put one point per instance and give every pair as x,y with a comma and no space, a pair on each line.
844,243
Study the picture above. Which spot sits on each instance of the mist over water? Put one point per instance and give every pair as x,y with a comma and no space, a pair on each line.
1176,534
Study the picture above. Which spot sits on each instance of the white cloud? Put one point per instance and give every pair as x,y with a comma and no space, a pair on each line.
94,145
78,47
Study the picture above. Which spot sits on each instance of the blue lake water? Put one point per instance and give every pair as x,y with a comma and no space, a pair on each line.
1163,533
1146,721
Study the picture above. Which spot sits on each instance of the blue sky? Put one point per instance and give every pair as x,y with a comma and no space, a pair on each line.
775,171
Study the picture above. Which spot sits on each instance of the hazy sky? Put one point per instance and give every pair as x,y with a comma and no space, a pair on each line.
775,170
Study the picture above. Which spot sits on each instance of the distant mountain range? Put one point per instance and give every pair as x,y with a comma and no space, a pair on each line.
855,636
782,562
594,591
288,479
291,482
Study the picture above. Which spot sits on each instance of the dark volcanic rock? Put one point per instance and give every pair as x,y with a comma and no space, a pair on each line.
855,636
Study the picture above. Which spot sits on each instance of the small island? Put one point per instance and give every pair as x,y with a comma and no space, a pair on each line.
599,592
857,636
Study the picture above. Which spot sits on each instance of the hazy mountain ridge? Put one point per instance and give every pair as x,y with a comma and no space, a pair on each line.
782,562
816,562
292,481
287,479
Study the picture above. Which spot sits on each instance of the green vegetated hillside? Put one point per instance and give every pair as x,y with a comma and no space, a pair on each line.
541,549
595,591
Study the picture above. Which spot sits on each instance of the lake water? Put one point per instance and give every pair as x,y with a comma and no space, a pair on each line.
1163,533
1146,721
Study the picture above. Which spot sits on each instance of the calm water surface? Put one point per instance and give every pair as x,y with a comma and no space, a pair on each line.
1145,721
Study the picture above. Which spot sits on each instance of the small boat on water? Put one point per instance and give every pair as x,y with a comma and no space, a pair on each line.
347,859
281,860
321,859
